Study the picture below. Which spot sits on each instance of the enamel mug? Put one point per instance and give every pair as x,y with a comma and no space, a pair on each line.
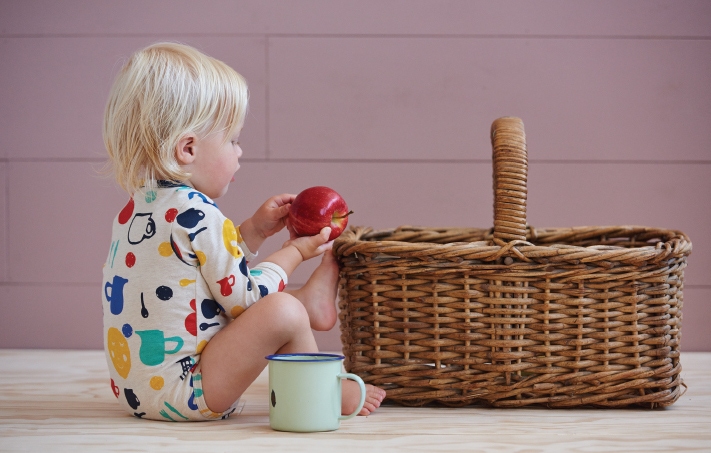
305,392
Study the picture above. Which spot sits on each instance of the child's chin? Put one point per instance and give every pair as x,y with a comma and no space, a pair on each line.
221,193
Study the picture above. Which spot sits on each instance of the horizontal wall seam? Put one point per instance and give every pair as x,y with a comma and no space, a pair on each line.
385,161
357,35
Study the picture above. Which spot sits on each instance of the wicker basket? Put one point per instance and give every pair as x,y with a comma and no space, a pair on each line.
514,316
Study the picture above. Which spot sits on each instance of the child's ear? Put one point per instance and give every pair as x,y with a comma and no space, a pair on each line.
185,149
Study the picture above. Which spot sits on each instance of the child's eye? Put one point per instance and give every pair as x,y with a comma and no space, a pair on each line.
235,143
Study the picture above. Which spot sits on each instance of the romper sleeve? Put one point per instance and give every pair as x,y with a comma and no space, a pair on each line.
219,251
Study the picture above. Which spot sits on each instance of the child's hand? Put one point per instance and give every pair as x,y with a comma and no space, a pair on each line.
311,246
271,217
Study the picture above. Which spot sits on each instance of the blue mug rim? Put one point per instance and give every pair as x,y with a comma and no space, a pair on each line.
285,357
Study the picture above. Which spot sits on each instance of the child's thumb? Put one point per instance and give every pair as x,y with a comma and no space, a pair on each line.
325,233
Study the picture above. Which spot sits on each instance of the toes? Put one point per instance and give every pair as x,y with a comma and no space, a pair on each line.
365,411
374,402
373,397
368,408
376,392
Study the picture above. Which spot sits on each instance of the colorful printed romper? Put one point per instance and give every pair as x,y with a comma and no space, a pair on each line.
175,275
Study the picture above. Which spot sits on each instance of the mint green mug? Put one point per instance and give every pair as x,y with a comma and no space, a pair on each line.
305,392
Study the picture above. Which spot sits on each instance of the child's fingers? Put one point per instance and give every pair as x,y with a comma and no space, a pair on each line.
323,248
319,242
283,211
285,198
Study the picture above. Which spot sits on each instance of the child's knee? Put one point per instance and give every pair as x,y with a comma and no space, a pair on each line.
287,311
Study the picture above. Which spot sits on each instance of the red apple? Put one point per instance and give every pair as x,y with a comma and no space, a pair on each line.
316,208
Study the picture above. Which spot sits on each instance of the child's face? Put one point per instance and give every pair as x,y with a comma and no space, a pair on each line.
216,162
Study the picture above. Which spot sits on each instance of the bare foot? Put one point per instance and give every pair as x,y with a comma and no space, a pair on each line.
319,293
351,397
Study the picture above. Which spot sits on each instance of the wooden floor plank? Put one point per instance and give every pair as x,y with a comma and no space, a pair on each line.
61,401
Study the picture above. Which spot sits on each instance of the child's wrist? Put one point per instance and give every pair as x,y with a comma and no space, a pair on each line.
253,228
260,231
246,227
250,235
298,250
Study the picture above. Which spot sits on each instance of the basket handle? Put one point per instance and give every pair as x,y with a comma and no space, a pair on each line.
510,160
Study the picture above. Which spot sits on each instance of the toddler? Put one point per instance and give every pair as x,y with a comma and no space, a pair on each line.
187,321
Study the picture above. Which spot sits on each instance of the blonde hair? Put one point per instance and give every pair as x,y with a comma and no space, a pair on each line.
163,93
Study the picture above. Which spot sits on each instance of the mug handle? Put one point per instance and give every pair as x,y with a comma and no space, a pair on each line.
361,384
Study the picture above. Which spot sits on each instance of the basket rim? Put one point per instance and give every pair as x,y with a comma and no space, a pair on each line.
676,244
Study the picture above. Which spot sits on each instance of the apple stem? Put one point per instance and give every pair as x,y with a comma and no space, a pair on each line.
344,216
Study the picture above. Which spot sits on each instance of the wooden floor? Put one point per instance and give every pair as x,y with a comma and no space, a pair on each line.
61,401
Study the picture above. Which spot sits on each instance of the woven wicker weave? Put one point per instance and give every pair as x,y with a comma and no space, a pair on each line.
514,316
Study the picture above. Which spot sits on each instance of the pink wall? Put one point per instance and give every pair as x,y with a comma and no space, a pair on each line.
390,102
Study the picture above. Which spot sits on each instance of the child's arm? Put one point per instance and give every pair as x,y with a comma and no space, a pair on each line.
212,245
269,219
295,251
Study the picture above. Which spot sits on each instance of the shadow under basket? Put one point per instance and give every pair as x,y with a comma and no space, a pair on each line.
514,316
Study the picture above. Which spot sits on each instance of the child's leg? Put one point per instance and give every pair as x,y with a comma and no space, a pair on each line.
235,356
319,298
319,294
